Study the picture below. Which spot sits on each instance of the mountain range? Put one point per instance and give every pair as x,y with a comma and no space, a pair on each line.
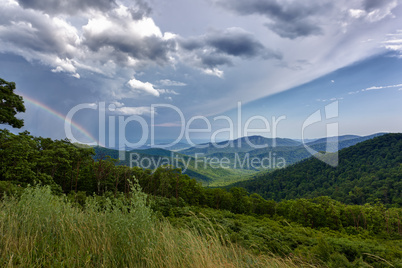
233,160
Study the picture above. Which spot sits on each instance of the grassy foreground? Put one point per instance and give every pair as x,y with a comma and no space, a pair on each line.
40,229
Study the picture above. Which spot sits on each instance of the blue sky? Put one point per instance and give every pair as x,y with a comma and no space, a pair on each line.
278,59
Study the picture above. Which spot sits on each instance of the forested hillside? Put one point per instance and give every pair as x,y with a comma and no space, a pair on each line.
368,172
153,158
307,231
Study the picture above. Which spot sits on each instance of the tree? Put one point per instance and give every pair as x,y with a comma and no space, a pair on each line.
10,105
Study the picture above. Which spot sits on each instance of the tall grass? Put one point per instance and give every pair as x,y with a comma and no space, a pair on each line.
40,229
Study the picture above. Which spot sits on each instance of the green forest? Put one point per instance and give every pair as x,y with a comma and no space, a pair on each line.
64,206
368,172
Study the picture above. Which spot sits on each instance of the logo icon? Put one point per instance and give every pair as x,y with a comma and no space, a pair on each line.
330,156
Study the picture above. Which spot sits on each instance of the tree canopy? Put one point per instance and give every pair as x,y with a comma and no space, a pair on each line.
10,105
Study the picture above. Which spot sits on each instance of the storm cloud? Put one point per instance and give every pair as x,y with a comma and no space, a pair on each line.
135,52
287,19
125,40
293,19
138,8
118,37
370,5
218,48
67,6
235,42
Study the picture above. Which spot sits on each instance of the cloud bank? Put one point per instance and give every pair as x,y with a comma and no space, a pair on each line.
123,49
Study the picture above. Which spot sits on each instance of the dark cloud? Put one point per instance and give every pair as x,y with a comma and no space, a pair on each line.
370,5
235,43
32,32
115,38
294,29
288,19
192,43
144,48
138,9
217,47
67,6
141,9
212,61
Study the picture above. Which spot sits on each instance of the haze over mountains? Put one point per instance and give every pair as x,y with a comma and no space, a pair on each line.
243,144
229,161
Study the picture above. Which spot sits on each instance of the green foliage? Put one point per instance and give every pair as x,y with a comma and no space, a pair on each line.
41,229
9,189
317,230
44,230
10,104
323,247
368,172
70,169
30,160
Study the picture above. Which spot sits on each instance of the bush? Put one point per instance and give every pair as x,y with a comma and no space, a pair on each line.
8,188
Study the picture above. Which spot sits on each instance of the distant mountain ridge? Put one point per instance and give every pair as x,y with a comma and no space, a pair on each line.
342,141
252,143
290,150
243,144
238,158
165,145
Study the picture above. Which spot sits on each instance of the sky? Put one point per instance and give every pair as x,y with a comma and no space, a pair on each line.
125,73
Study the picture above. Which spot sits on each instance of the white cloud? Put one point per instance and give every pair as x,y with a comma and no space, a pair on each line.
64,65
37,36
104,42
372,88
133,110
381,87
331,99
394,42
167,82
357,13
375,13
118,104
214,71
168,91
382,12
127,42
144,87
119,23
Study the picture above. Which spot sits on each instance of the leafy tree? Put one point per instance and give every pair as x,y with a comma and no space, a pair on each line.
10,104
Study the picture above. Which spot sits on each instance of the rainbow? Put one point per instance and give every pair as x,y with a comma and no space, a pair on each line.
55,113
